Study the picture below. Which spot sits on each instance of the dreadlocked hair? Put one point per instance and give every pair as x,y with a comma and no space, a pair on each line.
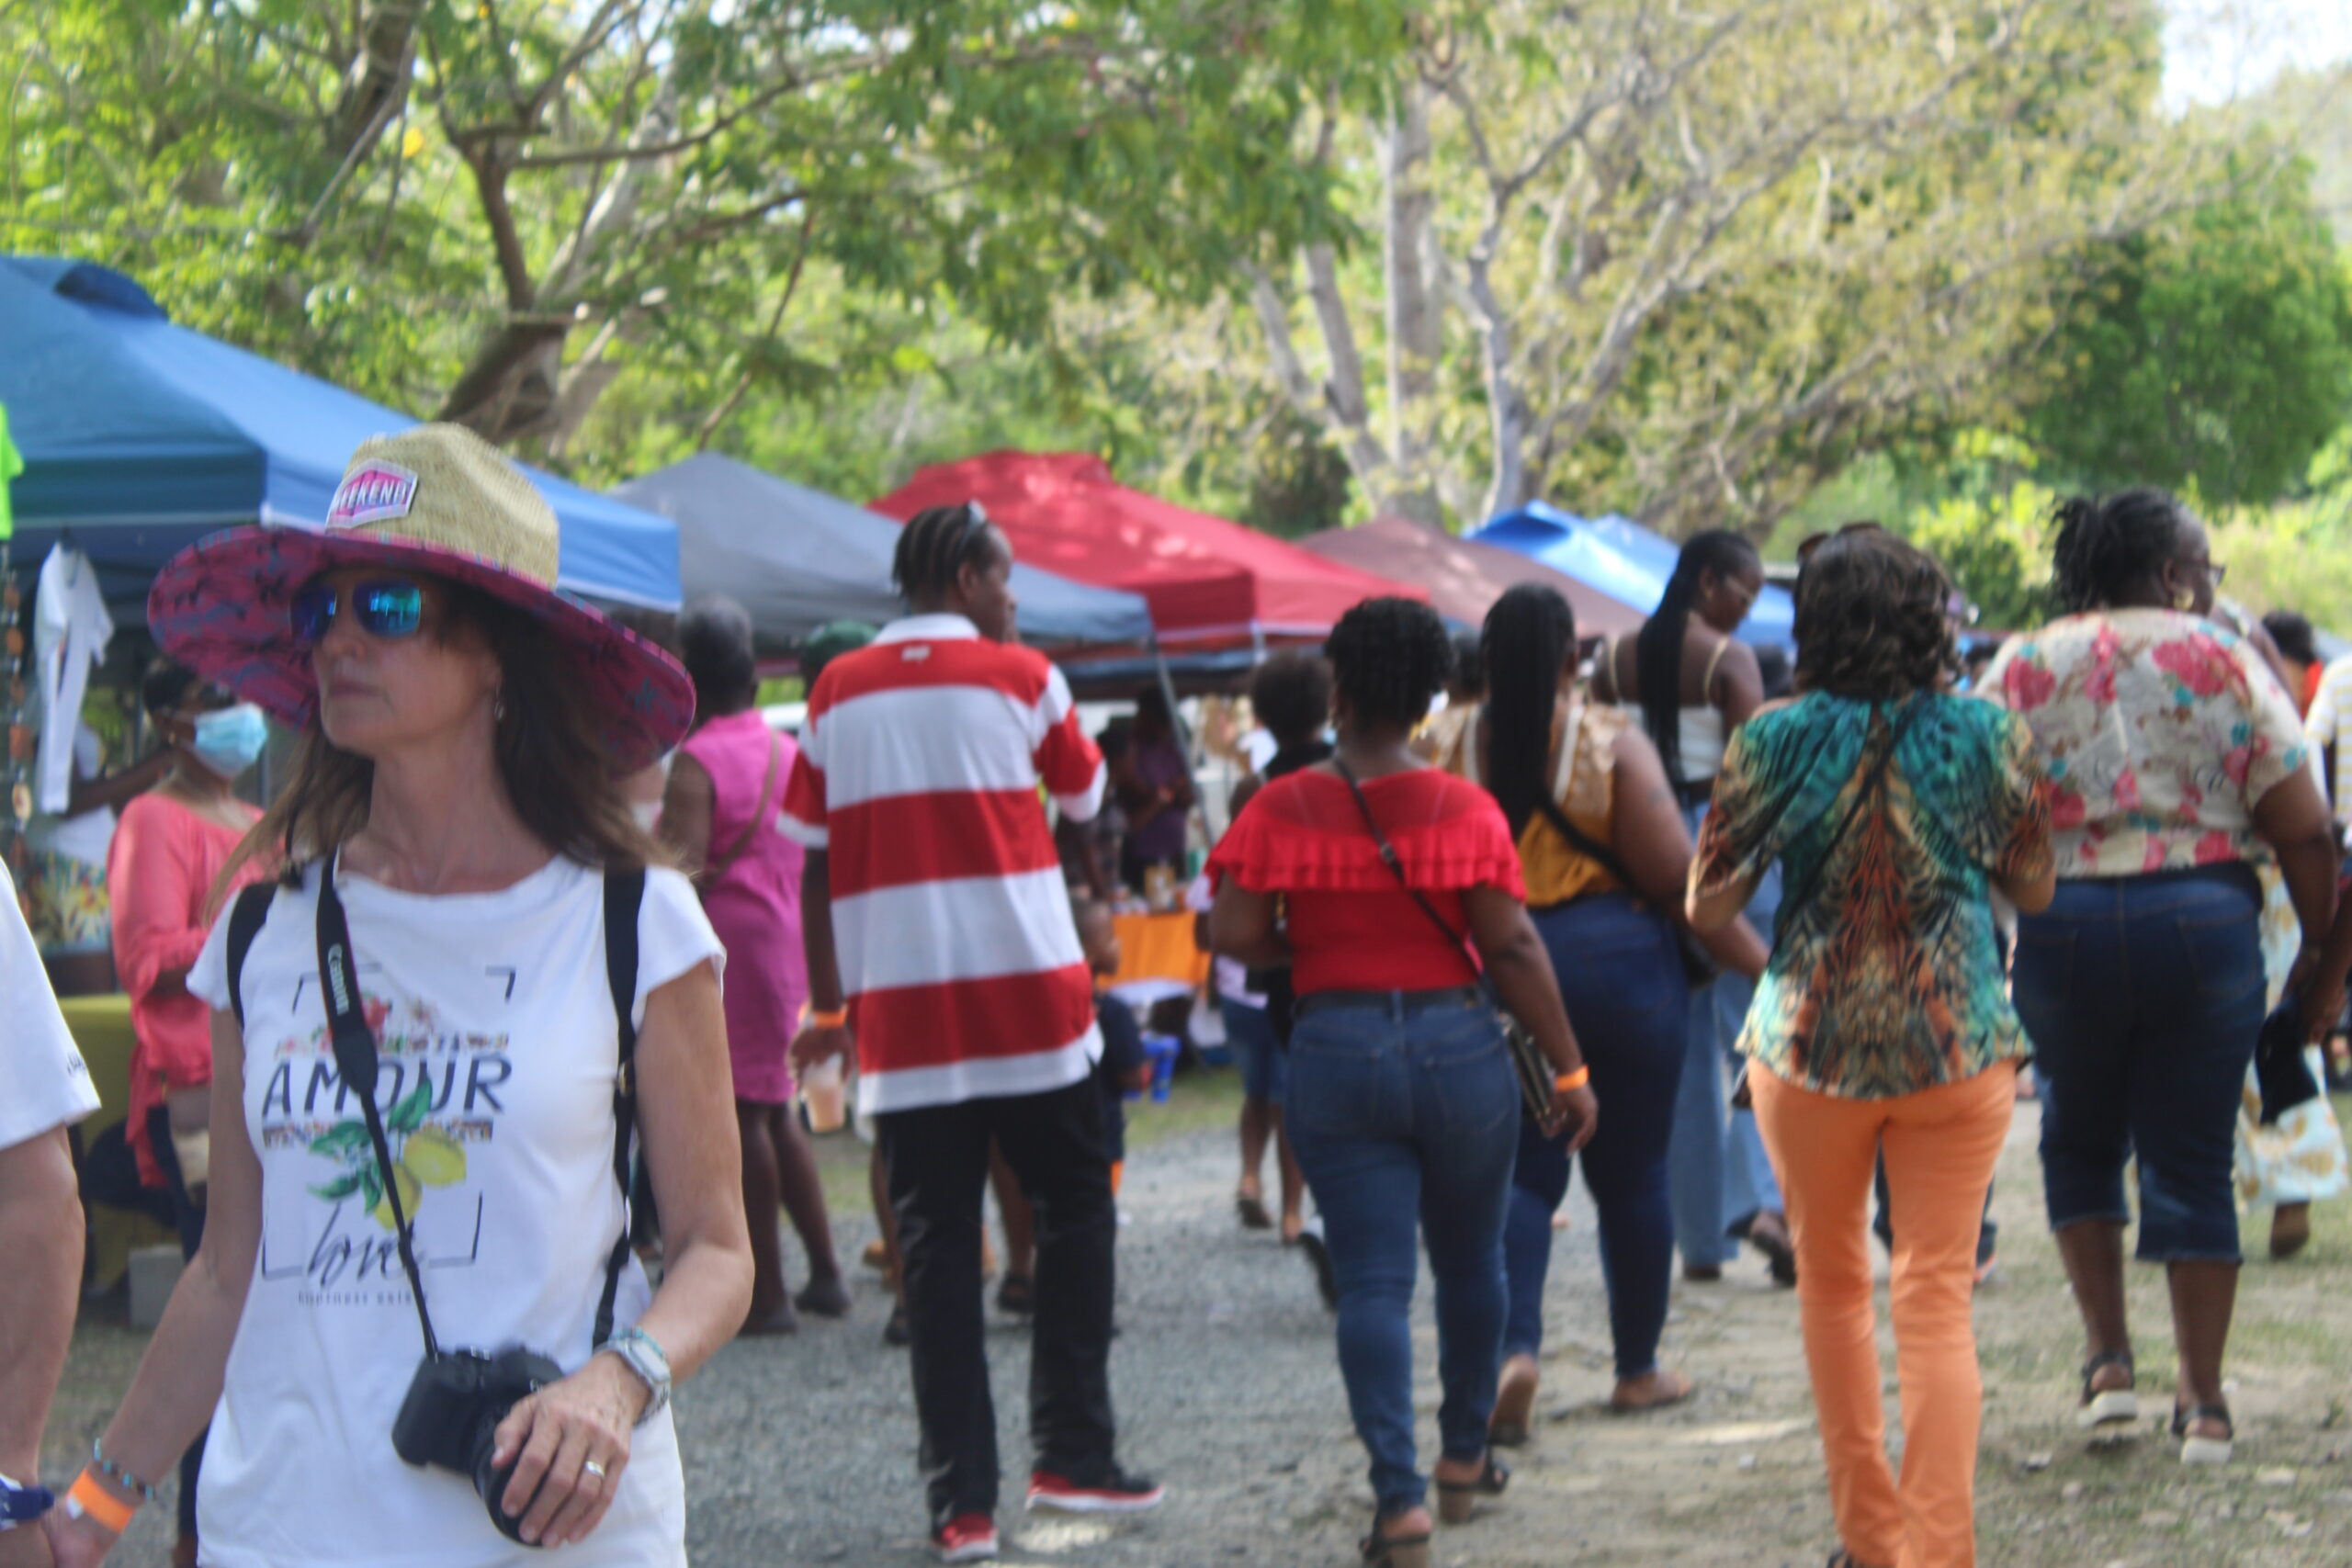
937,543
2107,545
1657,647
1873,619
1530,634
1390,658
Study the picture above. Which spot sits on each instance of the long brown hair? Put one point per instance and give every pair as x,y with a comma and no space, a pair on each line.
562,783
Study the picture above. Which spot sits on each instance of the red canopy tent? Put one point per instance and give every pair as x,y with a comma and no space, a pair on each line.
1208,582
1464,578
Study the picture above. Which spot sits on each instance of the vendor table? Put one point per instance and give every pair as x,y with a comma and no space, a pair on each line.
1159,947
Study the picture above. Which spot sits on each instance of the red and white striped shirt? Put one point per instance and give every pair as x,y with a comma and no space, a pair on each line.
918,776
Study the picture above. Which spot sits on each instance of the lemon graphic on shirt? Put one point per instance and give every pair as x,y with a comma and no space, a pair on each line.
433,1158
410,1191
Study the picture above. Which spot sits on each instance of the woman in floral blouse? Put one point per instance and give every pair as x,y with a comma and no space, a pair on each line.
2176,764
1881,1023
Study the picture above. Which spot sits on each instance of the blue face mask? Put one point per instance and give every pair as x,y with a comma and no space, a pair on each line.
230,740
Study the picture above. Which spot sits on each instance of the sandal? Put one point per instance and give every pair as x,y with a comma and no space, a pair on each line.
1252,1210
1779,1249
2195,1450
1393,1551
1017,1295
1457,1498
895,1333
2107,1413
1514,1402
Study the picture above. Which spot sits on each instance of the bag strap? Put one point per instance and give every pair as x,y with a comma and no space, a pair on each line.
624,896
245,919
1871,778
726,862
1397,869
356,1060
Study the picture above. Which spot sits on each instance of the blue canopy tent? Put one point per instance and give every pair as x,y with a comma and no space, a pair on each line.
1626,561
140,438
797,557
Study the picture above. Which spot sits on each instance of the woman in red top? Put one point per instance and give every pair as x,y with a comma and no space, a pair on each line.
1403,1102
166,855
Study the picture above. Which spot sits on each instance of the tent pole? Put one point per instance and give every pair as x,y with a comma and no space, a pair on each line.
1186,741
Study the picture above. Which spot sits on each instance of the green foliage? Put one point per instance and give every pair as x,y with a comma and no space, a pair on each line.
1298,482
2214,351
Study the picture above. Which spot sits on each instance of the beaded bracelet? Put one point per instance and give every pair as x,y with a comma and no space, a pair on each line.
119,1476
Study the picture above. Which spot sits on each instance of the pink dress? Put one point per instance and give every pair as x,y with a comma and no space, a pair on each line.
755,906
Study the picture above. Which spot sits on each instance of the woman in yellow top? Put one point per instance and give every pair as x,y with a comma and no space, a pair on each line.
1605,854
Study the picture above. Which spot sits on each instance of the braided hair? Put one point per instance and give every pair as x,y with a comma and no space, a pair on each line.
937,544
1390,658
1530,634
1657,647
2110,545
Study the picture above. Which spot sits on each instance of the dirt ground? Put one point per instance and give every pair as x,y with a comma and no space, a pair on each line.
1266,1472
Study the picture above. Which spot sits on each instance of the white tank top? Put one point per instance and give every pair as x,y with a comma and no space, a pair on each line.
1699,732
500,1049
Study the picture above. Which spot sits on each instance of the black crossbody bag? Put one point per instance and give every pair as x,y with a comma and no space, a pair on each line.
1529,1063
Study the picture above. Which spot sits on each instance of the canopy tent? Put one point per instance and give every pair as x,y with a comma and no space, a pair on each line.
1625,560
140,438
1208,582
797,557
1465,577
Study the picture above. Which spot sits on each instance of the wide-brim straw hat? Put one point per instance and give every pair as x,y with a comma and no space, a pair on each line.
438,501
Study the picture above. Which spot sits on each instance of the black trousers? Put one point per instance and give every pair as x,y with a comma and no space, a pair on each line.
937,1159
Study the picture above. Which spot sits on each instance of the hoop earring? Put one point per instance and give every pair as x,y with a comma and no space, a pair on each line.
498,708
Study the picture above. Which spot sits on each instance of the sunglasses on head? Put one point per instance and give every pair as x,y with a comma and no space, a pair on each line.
383,606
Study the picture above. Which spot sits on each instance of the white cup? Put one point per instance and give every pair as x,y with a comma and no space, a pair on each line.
821,1093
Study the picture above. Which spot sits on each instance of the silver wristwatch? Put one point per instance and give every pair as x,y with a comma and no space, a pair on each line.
644,1355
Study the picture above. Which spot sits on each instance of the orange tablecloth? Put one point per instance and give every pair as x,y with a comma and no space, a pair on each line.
1159,947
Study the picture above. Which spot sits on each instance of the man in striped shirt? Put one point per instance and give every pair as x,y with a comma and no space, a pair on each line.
940,941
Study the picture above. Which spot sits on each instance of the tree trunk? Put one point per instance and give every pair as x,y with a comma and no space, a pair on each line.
1416,323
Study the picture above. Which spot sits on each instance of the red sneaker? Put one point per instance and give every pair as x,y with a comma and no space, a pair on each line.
967,1537
1115,1493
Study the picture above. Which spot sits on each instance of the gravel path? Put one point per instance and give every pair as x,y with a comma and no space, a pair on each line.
803,1450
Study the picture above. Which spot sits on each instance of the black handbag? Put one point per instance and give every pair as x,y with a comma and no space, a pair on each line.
1527,1062
2280,1068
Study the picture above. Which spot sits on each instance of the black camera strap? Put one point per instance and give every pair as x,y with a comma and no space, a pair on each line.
357,1060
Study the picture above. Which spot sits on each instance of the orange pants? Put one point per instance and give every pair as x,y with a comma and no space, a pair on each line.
1941,1145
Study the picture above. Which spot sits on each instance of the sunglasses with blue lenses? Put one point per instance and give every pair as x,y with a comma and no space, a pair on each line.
384,607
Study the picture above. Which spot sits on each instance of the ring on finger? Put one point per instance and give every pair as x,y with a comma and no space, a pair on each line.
591,1471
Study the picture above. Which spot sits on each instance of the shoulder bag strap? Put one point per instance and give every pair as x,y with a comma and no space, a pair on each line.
1871,777
1397,869
624,895
726,862
245,917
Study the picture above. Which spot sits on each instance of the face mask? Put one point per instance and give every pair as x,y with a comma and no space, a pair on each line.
230,740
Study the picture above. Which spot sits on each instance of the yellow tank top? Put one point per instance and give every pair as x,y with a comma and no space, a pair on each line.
1584,764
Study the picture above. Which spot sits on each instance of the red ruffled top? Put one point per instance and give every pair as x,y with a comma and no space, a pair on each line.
1353,928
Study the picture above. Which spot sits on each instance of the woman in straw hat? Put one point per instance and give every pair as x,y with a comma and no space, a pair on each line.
455,838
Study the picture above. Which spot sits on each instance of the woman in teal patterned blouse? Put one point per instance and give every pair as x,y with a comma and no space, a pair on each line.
1884,1020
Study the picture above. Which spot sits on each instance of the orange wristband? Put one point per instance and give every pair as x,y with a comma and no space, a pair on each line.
836,1019
1568,1082
89,1499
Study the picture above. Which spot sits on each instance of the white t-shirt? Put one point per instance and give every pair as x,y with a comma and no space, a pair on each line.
71,630
85,837
43,1083
496,1006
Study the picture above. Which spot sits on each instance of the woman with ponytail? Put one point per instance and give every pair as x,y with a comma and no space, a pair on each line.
1692,684
1604,853
2177,763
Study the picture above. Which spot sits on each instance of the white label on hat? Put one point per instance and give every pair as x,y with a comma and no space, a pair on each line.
373,493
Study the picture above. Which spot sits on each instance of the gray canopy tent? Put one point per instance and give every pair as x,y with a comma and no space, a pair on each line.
797,557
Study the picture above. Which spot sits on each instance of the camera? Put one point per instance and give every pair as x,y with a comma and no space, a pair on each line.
450,1418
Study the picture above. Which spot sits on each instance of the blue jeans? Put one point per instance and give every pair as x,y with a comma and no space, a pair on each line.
1622,981
1721,1177
1398,1116
1255,1050
2143,996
